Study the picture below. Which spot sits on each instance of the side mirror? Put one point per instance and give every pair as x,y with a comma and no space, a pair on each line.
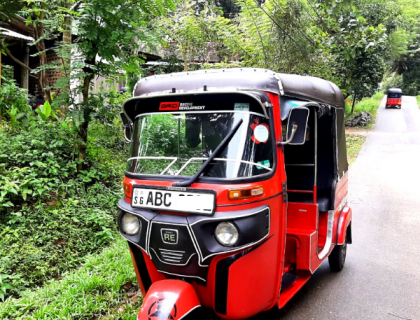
128,127
297,125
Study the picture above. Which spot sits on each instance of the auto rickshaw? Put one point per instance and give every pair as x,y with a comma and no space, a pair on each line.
235,189
393,99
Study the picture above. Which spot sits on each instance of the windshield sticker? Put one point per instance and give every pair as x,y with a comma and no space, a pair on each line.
189,106
261,132
175,106
265,163
241,107
169,106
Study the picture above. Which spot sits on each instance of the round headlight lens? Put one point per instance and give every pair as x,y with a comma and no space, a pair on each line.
130,224
227,234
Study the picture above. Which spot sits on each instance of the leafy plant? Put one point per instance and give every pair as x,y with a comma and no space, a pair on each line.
4,285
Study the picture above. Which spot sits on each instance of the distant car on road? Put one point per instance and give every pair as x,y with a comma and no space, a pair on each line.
393,98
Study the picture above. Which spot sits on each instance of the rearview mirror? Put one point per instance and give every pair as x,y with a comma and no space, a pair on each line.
297,125
128,127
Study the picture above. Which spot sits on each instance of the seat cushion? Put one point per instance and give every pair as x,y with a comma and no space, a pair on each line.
322,201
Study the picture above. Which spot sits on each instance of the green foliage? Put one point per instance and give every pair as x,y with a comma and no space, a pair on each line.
104,283
50,215
8,8
192,26
34,163
392,80
418,101
370,105
14,102
4,285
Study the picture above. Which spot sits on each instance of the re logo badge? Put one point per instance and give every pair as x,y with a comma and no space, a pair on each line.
169,236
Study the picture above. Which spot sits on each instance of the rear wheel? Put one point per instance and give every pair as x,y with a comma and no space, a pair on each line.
337,258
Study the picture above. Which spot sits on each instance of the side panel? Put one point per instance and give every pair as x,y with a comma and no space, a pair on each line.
246,282
146,272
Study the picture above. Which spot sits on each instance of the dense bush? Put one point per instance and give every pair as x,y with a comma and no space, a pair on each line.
14,102
51,216
35,163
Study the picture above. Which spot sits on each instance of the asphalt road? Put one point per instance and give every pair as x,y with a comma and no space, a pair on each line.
381,278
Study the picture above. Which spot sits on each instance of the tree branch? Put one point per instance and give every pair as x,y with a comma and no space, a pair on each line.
16,60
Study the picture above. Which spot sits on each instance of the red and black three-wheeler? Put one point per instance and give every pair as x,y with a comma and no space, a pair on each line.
235,189
393,98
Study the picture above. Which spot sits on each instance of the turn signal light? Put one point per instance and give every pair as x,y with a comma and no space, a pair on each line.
245,193
127,188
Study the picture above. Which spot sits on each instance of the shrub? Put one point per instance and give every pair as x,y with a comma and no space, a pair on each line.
35,162
14,102
50,215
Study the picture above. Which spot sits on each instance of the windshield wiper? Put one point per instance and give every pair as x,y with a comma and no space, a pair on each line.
219,148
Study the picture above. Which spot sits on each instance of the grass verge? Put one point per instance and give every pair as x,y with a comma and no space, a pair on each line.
370,105
418,101
354,145
102,288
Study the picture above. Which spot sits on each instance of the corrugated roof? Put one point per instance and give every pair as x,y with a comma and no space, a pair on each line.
11,34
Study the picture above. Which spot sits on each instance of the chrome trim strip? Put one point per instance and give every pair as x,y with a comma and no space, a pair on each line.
171,255
172,251
174,264
328,241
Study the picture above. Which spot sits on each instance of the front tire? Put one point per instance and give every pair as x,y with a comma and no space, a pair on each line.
337,258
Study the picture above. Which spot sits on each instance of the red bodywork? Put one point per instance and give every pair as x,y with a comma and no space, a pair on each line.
393,102
253,276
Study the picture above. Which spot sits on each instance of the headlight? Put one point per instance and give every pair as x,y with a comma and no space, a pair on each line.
130,224
226,234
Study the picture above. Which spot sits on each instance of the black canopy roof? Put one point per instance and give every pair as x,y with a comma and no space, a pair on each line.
394,90
303,87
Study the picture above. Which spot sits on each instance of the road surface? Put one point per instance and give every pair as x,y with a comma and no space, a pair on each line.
381,278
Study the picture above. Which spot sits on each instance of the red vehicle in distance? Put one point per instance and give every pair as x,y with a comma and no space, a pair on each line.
235,189
393,99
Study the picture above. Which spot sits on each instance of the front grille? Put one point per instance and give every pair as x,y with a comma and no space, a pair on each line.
171,256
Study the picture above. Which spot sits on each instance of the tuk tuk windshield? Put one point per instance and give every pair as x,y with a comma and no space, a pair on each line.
393,95
179,144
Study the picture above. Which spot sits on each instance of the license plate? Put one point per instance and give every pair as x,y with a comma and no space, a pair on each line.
185,200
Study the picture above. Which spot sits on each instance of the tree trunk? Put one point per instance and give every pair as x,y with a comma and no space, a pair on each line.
184,55
354,102
40,46
66,51
83,128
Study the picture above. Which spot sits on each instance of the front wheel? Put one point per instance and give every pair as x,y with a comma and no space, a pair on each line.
337,258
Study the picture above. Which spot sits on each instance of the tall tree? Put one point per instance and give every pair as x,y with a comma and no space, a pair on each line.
192,26
110,34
